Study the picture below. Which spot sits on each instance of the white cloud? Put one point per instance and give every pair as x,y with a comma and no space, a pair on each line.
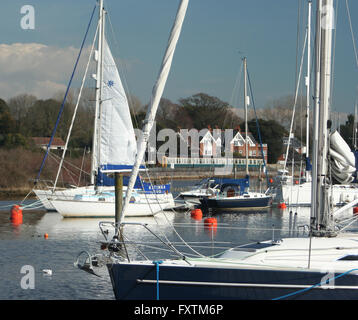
37,69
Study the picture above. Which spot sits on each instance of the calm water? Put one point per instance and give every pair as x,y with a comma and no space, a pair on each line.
26,245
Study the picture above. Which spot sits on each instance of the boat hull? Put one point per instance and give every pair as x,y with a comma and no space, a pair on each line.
46,195
300,194
137,281
93,209
234,203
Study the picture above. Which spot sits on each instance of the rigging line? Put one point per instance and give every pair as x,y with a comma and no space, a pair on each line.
171,225
234,94
56,157
70,173
258,129
65,97
166,217
76,108
314,286
301,135
83,159
294,106
297,37
350,25
334,53
123,73
349,224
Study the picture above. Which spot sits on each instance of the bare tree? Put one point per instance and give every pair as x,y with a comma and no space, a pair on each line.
19,106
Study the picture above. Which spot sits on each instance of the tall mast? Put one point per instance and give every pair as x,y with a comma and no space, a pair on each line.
245,106
99,75
154,102
320,206
308,83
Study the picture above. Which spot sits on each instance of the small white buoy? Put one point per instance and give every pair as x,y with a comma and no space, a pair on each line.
47,272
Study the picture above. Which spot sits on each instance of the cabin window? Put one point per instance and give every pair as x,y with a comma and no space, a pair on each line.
255,246
350,257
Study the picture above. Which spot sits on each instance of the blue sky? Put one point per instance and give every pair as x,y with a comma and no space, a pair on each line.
207,58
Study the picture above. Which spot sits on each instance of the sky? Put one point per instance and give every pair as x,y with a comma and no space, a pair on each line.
216,35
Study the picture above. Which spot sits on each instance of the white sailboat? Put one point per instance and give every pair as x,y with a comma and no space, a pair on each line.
297,192
114,149
298,268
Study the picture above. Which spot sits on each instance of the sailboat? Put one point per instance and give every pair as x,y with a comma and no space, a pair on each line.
235,194
114,150
320,266
297,192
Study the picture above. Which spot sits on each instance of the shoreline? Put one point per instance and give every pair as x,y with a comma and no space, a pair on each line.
16,194
158,176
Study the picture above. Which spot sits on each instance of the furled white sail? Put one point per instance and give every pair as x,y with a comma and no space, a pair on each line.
342,159
117,138
156,96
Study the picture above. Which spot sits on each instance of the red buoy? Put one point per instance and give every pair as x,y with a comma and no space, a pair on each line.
211,225
211,222
197,214
282,205
16,214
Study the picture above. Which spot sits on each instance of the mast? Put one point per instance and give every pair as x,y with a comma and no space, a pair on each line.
321,223
154,102
308,83
246,98
99,75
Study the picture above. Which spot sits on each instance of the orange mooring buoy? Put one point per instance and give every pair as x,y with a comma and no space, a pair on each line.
196,214
282,205
46,236
211,222
211,225
16,214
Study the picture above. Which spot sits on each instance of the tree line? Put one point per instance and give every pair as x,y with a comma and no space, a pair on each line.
24,116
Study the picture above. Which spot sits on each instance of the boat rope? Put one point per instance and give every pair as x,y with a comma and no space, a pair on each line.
349,223
56,158
70,174
123,71
314,286
170,224
157,263
234,95
64,99
352,33
294,105
75,109
258,128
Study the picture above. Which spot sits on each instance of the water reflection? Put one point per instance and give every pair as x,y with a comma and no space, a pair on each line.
68,237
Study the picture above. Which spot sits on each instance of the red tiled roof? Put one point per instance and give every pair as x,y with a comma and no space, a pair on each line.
45,141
